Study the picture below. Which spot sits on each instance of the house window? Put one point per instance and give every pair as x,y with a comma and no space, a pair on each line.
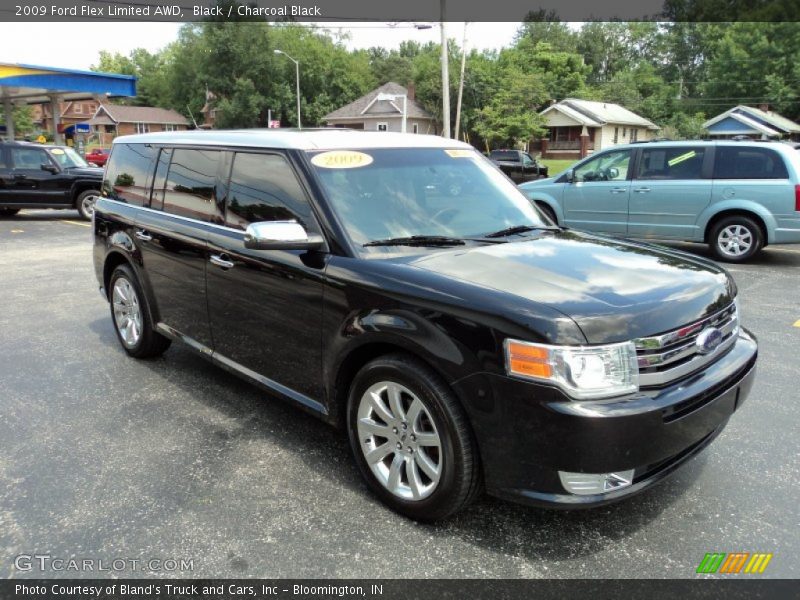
383,127
142,128
169,127
616,134
415,128
624,132
77,108
109,128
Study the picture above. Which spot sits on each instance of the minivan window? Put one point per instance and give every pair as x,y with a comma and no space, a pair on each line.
128,173
748,163
264,187
611,166
680,162
190,188
160,179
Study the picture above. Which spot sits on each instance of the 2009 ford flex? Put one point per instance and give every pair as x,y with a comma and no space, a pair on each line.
737,196
463,341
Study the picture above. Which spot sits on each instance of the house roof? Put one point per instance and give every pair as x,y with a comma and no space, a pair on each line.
770,122
368,107
596,114
139,114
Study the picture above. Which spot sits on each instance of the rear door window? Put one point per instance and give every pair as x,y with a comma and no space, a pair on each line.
190,189
747,162
127,176
681,162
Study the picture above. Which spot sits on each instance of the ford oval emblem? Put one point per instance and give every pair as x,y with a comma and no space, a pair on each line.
708,340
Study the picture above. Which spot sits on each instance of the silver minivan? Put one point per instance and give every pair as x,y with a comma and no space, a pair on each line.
736,196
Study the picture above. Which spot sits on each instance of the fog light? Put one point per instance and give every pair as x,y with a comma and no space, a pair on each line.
585,484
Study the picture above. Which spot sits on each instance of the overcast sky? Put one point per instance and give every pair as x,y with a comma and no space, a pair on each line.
80,43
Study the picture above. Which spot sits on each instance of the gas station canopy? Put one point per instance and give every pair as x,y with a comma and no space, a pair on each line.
28,84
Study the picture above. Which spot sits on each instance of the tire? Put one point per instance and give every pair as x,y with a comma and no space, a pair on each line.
735,239
8,212
127,301
440,474
549,212
85,203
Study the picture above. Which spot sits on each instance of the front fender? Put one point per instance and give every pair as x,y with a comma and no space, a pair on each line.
738,205
550,198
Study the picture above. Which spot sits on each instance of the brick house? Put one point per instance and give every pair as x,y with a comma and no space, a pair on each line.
111,120
70,113
371,114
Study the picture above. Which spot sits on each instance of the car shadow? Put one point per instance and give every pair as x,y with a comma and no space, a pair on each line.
502,527
771,256
56,214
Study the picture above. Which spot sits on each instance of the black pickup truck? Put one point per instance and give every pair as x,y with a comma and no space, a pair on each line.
518,165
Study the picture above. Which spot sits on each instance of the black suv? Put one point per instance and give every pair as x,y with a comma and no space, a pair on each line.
464,342
37,176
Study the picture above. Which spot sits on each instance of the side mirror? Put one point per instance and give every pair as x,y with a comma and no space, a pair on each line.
49,168
570,176
280,235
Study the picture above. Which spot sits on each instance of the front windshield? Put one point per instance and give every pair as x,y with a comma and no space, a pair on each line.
67,157
400,192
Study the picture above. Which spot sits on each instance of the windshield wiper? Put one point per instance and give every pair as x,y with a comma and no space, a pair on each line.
518,229
418,240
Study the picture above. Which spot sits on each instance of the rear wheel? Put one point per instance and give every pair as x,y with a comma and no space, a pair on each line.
736,239
131,316
8,212
411,439
85,203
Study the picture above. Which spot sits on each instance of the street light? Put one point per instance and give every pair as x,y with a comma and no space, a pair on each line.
297,71
391,97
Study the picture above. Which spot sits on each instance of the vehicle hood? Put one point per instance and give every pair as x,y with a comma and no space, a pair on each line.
93,172
537,183
614,290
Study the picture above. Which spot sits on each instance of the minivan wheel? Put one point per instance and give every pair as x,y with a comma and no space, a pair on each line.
8,212
131,316
85,203
411,439
736,239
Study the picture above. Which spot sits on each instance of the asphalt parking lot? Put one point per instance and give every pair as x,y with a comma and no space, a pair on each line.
105,457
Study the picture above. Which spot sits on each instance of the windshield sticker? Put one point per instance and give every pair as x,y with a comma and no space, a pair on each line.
341,159
460,153
679,159
56,151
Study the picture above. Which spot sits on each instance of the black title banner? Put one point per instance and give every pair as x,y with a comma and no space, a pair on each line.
391,589
393,11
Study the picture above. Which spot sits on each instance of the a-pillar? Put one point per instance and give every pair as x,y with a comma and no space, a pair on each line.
55,109
8,108
584,142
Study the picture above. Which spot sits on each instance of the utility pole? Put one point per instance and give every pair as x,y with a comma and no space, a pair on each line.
445,80
461,80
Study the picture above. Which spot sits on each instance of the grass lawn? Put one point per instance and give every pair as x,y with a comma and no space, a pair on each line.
556,165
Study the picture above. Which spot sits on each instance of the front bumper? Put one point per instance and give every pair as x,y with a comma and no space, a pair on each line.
528,432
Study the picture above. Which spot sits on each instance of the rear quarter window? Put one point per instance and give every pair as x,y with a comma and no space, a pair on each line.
127,176
749,163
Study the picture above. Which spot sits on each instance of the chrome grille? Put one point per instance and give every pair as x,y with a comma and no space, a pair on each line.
675,354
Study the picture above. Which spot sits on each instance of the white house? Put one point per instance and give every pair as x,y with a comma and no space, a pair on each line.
580,127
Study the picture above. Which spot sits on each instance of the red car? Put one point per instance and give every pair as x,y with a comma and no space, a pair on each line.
98,156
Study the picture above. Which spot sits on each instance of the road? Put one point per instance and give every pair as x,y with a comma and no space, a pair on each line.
105,457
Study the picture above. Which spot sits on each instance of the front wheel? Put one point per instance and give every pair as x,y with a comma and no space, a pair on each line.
411,439
85,203
736,239
131,316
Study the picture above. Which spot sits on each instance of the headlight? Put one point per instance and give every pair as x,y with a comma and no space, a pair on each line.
583,372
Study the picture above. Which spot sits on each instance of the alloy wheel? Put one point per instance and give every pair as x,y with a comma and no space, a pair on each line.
735,240
127,312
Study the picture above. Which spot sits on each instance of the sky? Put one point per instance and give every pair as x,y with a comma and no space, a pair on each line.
81,42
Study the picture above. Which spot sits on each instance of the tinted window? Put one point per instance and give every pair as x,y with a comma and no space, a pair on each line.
504,155
29,158
748,163
681,162
264,188
160,179
128,173
611,166
190,187
3,164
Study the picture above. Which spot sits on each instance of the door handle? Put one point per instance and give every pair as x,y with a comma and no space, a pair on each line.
143,235
641,190
221,260
618,190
